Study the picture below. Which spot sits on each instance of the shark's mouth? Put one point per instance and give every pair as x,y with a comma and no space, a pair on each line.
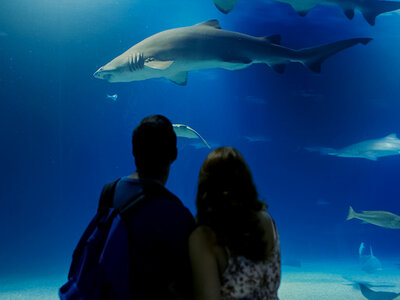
107,77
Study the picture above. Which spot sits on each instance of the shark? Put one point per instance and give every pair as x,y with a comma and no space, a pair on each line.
373,295
370,9
173,53
379,218
369,263
185,131
368,149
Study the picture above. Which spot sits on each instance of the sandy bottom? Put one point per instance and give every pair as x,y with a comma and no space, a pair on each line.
306,283
334,282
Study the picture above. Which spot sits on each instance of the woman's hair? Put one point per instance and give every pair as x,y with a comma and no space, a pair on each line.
227,202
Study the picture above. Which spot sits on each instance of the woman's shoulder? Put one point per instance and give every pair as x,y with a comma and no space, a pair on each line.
203,235
204,240
270,231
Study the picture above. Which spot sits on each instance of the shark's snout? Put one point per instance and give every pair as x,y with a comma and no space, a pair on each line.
103,74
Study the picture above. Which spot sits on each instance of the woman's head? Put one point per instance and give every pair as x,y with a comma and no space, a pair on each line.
227,201
225,180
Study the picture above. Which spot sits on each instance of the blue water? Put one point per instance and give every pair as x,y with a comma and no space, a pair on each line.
62,138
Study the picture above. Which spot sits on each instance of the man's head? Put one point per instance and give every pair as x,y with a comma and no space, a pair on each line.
154,146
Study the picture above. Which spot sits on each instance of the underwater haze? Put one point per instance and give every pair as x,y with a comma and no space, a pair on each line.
66,133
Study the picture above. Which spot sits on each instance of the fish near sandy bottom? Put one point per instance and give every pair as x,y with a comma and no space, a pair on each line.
369,263
379,218
173,53
185,131
368,149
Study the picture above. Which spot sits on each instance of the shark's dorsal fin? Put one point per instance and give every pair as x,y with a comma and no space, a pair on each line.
179,78
211,23
391,136
159,64
273,39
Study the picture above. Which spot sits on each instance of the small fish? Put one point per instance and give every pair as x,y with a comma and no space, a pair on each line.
185,131
113,97
369,263
255,100
260,139
379,218
322,202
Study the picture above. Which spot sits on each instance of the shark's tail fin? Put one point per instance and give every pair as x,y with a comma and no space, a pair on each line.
371,11
314,57
225,6
352,214
367,292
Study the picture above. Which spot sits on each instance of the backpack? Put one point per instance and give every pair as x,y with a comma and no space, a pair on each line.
100,267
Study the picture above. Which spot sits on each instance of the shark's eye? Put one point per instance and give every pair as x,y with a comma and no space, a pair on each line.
107,76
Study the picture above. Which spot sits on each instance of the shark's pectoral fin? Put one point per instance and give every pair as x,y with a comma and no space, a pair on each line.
225,6
273,39
159,64
369,16
303,7
179,78
302,13
280,68
370,157
349,13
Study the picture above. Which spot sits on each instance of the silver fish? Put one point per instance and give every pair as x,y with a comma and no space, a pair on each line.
379,218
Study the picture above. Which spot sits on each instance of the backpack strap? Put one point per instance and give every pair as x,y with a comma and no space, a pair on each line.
107,195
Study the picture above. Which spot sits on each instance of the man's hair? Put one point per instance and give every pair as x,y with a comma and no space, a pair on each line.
154,145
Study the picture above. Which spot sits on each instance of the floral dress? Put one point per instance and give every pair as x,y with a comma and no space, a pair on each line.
244,279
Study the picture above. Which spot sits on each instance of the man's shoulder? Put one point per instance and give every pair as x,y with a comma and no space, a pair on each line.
157,197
